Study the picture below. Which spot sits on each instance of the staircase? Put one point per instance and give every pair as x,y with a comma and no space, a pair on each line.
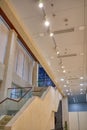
39,91
4,121
9,107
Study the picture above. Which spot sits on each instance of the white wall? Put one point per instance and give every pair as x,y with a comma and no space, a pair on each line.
78,120
73,121
83,120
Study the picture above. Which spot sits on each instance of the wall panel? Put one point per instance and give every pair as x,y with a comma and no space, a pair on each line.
78,120
83,120
73,121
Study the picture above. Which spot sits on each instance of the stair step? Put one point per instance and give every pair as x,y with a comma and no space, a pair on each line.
12,112
2,126
7,118
3,122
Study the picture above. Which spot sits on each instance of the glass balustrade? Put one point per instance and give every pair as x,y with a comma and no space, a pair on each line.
16,93
17,97
10,106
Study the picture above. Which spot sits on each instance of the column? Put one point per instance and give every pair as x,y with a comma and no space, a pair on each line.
35,75
9,64
65,113
30,71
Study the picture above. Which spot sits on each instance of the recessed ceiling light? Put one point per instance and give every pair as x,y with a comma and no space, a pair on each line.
81,78
40,5
81,54
65,85
51,34
57,52
67,82
62,79
81,93
81,84
67,90
81,89
81,28
62,67
64,71
47,23
68,93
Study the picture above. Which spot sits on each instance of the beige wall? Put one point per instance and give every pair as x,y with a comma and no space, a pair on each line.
37,113
51,121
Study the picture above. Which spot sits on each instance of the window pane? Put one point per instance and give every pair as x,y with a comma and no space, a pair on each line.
26,69
20,63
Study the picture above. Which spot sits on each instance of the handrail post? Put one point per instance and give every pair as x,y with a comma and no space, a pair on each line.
66,127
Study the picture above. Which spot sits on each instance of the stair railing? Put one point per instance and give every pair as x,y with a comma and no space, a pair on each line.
12,106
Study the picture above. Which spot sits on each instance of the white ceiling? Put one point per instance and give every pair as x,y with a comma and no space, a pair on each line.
62,14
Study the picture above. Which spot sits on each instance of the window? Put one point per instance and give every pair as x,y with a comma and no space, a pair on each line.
20,62
24,62
43,78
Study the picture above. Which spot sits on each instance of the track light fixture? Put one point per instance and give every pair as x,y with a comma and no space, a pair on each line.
64,71
57,52
41,4
47,23
51,34
81,78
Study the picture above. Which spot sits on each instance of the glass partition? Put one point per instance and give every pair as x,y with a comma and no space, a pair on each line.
16,93
17,97
11,106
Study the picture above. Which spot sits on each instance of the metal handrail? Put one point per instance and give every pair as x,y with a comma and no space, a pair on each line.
15,100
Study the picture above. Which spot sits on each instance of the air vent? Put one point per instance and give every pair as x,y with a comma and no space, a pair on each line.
73,78
68,55
64,31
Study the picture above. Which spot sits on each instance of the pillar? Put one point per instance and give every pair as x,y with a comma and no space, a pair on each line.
9,64
65,113
35,75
